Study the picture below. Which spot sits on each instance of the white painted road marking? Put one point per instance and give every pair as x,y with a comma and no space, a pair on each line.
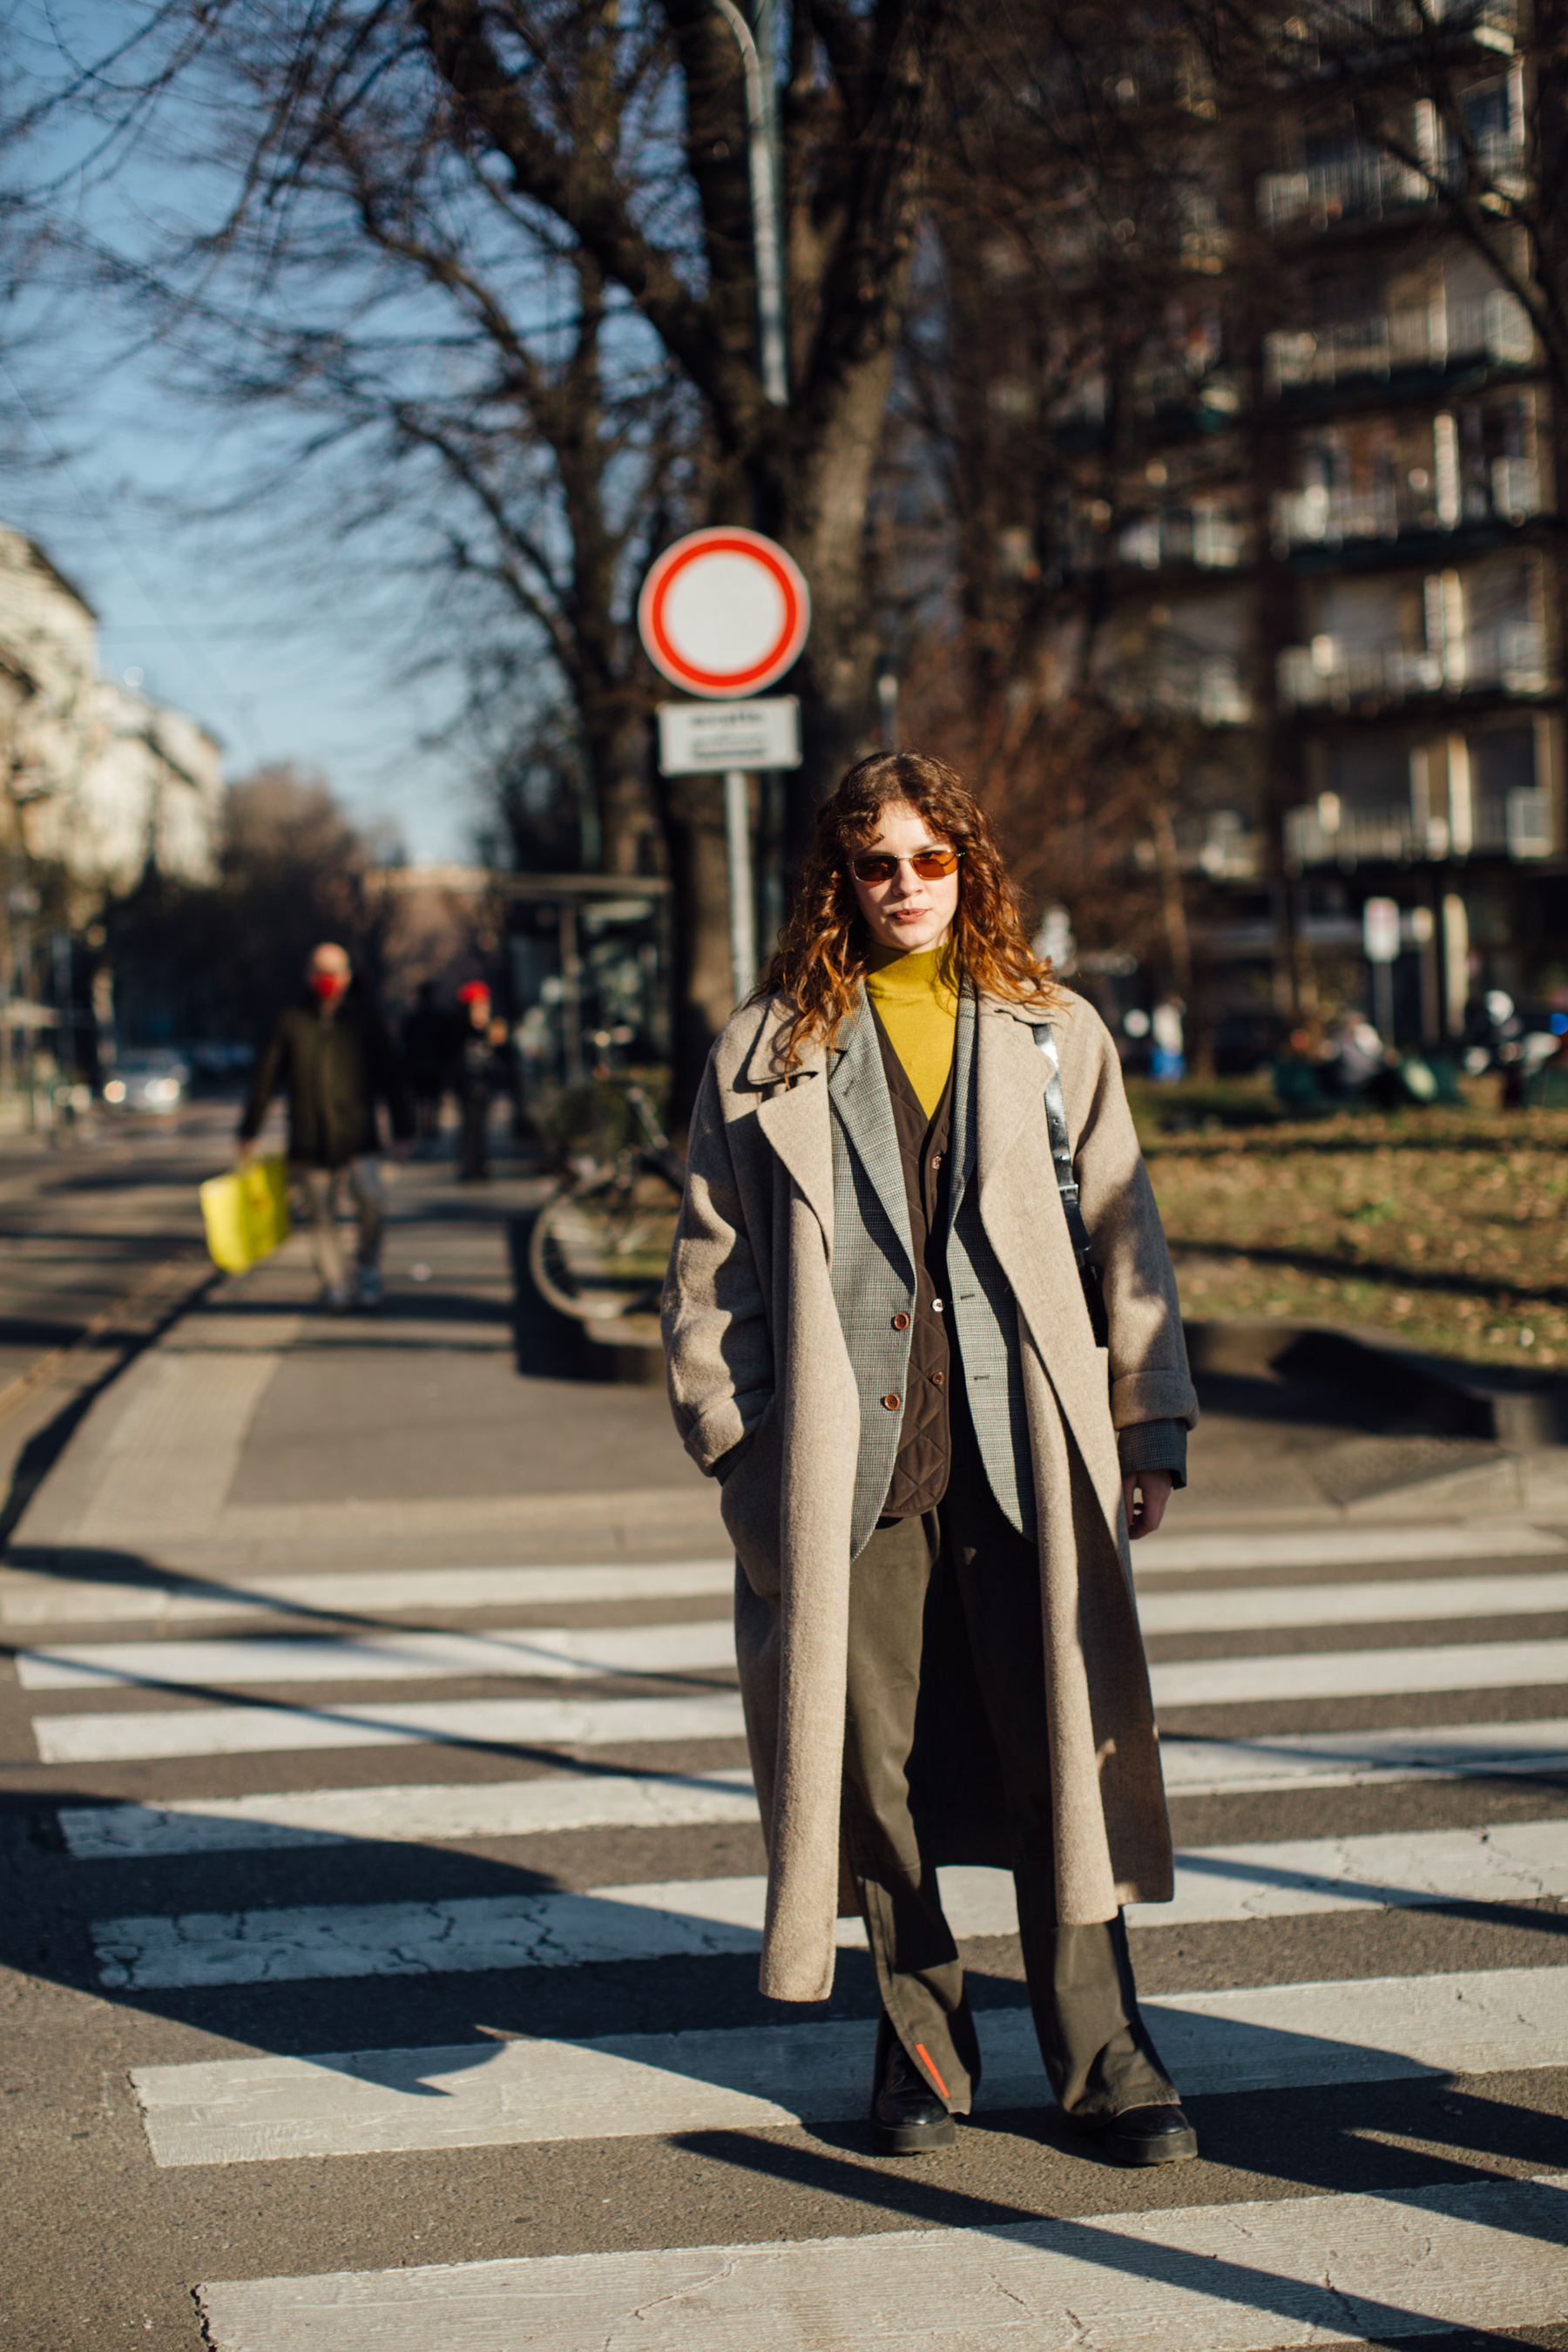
1358,1673
446,1809
557,1651
1200,1681
756,2078
691,1917
1513,1862
484,1722
1267,1608
1341,1760
1343,1546
27,1599
550,1652
1209,2278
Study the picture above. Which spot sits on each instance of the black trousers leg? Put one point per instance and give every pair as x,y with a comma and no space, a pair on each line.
918,1973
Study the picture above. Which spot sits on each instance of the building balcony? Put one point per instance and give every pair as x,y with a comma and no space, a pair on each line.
1494,327
1366,184
1320,515
1331,675
1362,185
1204,536
1516,824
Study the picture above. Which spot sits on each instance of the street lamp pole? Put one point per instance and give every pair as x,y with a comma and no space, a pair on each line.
762,158
772,354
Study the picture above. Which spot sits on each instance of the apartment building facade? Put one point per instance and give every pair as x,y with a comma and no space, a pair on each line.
1334,545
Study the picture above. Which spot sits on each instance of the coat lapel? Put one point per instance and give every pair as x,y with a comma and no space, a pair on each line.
793,1116
858,1088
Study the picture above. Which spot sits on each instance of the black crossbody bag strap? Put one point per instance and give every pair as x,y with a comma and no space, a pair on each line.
1067,1184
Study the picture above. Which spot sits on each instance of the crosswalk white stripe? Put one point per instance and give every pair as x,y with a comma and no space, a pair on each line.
1207,2278
1358,1673
1212,1682
448,1811
1263,1608
1339,1759
561,1652
686,1917
1512,1861
1342,1547
445,1810
486,1722
537,1652
29,1599
508,2094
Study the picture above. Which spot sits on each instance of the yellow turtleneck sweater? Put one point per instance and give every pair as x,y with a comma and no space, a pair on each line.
917,997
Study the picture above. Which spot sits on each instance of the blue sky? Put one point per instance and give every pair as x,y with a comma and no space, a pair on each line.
284,655
288,644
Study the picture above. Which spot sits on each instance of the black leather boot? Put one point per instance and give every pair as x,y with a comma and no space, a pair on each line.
907,2114
1150,2134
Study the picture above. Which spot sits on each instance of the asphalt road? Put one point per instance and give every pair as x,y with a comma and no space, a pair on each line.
472,1821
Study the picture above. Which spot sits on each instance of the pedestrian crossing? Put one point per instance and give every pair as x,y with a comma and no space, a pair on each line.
1214,2278
643,1764
446,1811
1515,1862
520,2092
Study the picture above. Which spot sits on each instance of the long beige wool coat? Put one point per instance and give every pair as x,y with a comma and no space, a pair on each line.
754,1349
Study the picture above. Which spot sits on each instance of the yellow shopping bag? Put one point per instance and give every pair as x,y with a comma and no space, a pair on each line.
246,1213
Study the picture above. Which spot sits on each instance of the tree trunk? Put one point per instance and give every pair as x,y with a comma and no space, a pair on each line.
615,742
703,997
821,518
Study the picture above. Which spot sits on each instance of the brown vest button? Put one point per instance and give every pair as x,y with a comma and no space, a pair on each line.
900,1322
891,1402
937,1379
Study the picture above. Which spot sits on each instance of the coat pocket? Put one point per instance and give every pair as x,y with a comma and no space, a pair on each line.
748,1505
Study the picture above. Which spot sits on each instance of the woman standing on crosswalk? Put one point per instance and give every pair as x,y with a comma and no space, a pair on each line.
881,1342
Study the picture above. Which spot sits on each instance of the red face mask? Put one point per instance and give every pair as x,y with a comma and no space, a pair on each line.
328,985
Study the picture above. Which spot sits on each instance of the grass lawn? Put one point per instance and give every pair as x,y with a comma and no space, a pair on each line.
1446,1228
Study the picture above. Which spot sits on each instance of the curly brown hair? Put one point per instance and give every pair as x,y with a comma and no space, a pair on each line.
825,948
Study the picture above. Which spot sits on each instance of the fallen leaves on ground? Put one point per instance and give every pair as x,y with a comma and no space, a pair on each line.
1448,1229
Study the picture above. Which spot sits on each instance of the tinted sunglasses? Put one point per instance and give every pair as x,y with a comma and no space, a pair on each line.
876,866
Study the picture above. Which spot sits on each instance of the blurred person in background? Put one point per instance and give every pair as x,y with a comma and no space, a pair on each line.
430,1042
331,1055
483,1071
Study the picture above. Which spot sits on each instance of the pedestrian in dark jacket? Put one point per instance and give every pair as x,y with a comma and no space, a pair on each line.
430,1042
332,1058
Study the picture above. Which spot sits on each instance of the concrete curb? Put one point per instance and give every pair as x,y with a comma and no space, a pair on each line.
1518,1409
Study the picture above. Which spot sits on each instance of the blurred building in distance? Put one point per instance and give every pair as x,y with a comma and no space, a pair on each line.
101,780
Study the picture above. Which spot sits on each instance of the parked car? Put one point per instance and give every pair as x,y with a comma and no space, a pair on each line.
155,1079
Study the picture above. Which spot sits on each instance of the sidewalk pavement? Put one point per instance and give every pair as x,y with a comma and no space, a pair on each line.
464,1425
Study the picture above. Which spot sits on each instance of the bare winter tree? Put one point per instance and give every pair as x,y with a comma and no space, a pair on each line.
513,240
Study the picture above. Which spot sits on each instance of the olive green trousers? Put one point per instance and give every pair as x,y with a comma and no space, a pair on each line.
963,1573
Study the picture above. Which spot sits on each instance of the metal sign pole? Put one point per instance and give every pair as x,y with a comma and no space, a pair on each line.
738,851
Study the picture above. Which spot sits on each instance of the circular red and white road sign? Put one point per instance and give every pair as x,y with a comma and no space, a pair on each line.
724,612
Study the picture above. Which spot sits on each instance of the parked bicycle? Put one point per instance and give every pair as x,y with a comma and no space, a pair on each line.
600,1244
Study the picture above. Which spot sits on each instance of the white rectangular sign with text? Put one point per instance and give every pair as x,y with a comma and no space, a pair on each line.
704,739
